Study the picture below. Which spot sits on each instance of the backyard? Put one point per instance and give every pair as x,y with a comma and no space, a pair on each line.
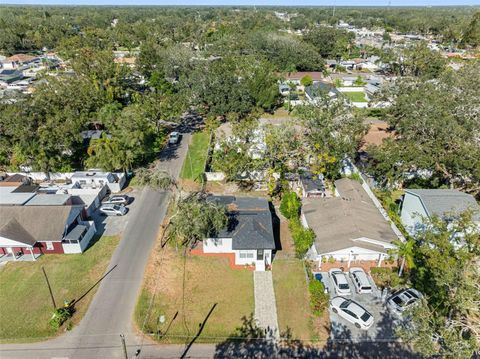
293,304
356,96
194,163
210,293
25,304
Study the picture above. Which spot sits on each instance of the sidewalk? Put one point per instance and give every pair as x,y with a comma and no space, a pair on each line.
265,305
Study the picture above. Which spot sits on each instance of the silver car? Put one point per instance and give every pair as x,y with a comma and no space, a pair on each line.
113,209
340,282
360,280
118,199
399,302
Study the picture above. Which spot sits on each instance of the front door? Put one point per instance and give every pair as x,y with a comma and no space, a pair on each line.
259,254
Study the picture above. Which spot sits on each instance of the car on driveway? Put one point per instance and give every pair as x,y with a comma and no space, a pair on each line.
402,300
340,282
113,209
173,138
118,199
352,312
360,280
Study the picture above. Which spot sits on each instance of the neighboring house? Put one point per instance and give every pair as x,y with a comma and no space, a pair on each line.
248,237
14,180
93,178
29,231
17,60
9,76
89,135
317,89
296,77
349,228
421,204
307,184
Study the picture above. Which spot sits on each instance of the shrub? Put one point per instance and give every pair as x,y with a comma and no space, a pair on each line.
356,177
318,297
302,237
306,80
60,316
385,277
290,206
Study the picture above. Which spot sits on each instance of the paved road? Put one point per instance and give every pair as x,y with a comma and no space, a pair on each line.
112,308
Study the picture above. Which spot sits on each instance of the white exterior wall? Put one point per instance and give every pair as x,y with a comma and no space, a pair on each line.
242,257
250,257
215,176
412,213
217,245
355,253
71,248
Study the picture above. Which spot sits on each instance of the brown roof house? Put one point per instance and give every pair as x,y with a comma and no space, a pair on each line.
29,231
349,228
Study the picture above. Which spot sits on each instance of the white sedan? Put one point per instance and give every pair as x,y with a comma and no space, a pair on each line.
340,282
352,312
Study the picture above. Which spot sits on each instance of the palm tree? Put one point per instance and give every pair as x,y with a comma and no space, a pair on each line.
406,250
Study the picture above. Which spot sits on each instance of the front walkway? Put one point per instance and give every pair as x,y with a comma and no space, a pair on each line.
265,305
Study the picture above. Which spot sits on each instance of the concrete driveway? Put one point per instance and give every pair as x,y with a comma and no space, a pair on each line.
115,225
382,328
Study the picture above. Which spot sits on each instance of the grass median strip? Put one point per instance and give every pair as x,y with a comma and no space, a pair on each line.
25,304
194,163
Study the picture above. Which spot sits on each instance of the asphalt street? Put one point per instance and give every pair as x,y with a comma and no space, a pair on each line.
111,311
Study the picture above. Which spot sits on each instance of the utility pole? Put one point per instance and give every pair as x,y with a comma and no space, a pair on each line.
125,355
50,290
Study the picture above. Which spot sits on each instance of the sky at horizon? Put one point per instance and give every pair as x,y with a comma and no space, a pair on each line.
250,2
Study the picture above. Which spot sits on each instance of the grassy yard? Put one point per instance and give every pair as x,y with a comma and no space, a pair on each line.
209,282
194,163
293,304
355,96
25,304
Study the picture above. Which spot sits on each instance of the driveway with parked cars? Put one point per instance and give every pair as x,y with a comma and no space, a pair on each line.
114,225
383,325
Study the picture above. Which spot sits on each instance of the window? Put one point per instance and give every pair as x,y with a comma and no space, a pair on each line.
49,246
244,255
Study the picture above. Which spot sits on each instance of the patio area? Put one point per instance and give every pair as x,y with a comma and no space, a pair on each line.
20,257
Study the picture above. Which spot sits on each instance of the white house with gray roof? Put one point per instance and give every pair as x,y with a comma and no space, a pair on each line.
249,232
419,205
348,228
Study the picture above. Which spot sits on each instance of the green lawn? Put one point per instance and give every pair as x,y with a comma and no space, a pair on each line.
293,303
355,96
25,304
209,281
194,163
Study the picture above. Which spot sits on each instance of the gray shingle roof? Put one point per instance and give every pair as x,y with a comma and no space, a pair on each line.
43,223
311,182
439,202
250,222
14,231
338,222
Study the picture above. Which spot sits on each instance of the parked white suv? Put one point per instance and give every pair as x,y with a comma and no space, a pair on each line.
403,300
113,209
118,199
352,312
360,280
173,138
340,282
